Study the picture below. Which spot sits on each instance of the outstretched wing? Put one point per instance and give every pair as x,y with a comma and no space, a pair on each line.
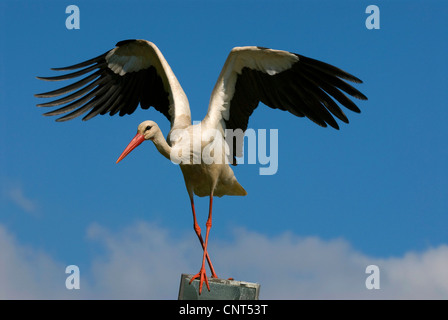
281,80
134,72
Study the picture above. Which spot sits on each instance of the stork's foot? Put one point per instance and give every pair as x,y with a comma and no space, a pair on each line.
214,274
202,278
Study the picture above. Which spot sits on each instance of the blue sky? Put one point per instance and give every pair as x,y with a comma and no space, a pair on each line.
375,191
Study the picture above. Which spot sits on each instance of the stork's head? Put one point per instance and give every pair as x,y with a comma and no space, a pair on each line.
148,129
145,131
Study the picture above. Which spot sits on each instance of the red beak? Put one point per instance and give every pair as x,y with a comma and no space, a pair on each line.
135,142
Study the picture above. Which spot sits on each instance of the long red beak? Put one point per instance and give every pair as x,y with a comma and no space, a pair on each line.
135,142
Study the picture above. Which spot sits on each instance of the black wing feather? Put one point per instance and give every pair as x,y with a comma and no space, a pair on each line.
83,64
103,91
308,88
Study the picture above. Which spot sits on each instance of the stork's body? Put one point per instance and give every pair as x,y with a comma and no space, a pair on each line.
202,179
136,73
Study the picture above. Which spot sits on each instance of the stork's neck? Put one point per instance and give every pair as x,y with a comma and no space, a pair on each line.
161,144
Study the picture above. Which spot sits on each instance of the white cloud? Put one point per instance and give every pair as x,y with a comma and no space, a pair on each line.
27,273
16,194
140,262
417,275
144,261
292,267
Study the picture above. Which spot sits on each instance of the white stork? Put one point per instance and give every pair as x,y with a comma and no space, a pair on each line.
135,72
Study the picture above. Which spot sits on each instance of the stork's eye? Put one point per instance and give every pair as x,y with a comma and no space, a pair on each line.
148,128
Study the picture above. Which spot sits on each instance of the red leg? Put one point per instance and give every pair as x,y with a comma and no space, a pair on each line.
197,229
201,274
